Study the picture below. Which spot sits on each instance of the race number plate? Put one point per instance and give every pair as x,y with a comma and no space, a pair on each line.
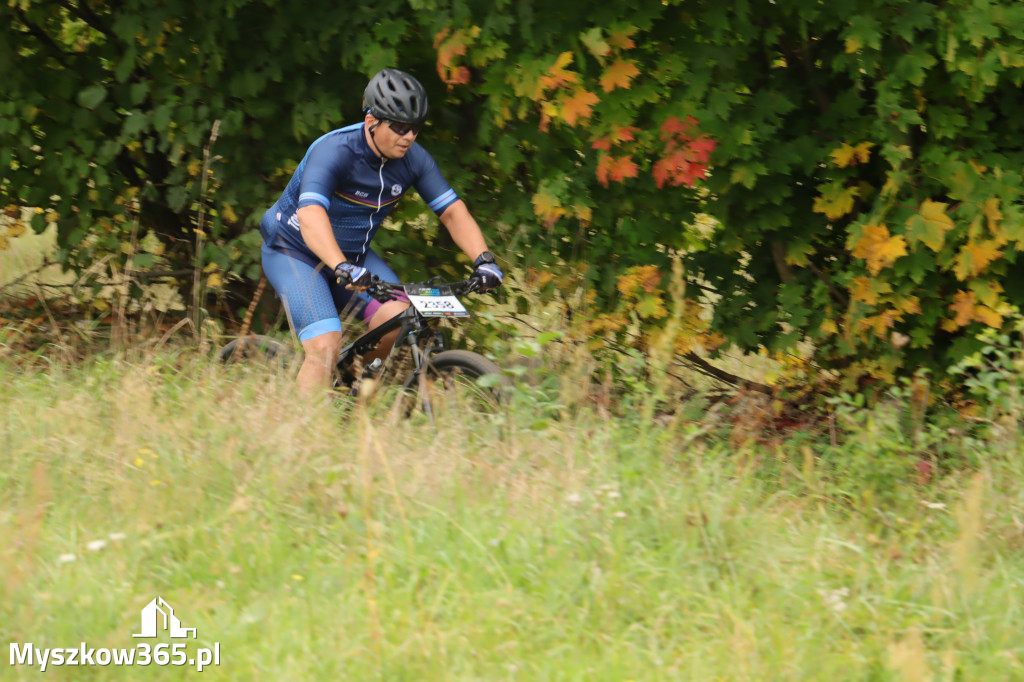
436,303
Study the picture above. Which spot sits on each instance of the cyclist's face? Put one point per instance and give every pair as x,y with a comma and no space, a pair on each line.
390,143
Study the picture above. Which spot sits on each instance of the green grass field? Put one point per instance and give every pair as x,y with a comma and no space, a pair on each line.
330,543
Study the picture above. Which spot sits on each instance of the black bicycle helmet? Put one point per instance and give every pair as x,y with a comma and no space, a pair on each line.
394,95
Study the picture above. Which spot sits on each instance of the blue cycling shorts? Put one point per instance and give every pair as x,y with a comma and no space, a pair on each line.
312,296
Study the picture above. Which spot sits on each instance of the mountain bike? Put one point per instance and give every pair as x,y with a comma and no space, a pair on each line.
420,362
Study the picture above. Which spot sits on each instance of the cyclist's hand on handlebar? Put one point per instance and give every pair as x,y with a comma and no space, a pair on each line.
487,271
350,275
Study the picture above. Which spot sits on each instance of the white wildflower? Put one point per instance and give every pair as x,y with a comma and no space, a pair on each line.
835,600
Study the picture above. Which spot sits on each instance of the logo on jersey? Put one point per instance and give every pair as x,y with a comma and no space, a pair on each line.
362,194
396,189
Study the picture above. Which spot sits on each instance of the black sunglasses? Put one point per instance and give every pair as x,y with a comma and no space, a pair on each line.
402,129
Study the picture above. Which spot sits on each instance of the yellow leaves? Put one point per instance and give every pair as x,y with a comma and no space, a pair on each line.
993,214
584,213
880,324
851,156
547,207
638,278
930,225
878,248
228,213
967,309
835,200
974,258
557,75
619,74
867,290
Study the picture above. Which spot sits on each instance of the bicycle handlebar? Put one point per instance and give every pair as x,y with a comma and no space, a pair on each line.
385,291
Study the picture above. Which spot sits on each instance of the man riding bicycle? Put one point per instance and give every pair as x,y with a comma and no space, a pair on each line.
316,237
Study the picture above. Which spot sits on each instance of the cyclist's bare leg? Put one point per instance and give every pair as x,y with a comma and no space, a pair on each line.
383,314
318,364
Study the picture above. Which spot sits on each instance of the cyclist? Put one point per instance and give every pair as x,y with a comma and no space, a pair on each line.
316,237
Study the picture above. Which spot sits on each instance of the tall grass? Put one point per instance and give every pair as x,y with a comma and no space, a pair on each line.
327,542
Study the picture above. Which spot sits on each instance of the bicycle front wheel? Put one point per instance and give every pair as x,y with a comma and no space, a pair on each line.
457,381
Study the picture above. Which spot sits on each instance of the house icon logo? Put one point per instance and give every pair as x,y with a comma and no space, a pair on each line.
151,620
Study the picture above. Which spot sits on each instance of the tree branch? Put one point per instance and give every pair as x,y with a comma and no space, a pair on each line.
710,370
832,290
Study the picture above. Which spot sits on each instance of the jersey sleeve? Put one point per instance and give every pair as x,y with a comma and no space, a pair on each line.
432,186
326,164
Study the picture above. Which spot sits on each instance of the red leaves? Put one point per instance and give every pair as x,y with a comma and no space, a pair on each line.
685,157
615,169
611,168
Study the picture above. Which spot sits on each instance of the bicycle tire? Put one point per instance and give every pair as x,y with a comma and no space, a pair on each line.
258,348
452,383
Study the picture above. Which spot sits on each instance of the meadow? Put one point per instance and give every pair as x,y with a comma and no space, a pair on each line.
575,535
335,542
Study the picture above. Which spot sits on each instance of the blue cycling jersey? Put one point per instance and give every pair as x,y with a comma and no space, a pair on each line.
358,189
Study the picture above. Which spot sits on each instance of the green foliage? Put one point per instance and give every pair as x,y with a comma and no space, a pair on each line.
865,160
861,161
993,377
108,109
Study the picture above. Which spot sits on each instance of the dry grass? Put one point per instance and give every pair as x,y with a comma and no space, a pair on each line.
545,543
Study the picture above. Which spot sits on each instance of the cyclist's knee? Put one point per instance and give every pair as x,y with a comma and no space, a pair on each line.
323,348
386,312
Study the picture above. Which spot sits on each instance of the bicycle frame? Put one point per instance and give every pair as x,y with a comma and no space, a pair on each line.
413,327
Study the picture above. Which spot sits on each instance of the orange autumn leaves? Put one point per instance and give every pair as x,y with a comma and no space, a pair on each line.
979,301
681,154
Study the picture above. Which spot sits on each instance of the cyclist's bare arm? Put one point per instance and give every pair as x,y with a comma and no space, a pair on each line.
316,231
464,229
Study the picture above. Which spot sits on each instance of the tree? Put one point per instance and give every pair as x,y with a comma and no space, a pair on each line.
109,107
847,173
865,158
